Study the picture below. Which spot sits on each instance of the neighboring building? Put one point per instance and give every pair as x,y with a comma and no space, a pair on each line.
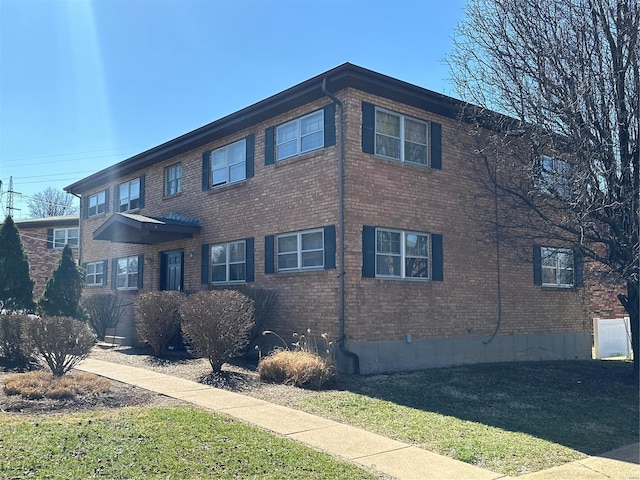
43,240
259,198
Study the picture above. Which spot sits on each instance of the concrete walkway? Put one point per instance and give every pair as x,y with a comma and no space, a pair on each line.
390,457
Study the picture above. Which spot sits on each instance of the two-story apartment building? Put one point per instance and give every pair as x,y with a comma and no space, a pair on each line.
43,240
349,195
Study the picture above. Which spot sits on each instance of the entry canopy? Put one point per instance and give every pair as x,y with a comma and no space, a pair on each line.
140,229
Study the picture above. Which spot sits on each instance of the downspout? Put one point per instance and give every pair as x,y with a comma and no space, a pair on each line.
341,337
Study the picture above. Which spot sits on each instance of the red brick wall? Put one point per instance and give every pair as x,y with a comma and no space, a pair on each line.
42,260
301,193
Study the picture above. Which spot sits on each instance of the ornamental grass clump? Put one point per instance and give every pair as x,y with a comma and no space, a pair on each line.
303,366
39,384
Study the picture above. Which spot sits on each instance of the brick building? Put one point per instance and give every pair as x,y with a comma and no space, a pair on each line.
349,195
43,240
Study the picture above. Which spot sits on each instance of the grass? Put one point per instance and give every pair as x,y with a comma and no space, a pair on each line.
39,384
511,418
154,443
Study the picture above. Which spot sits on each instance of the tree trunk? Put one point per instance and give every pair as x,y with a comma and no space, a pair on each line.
631,303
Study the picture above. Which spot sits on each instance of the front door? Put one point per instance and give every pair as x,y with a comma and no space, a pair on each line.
171,274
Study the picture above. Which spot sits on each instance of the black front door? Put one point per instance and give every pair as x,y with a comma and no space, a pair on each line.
171,271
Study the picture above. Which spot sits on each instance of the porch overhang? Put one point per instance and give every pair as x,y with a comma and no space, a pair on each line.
140,229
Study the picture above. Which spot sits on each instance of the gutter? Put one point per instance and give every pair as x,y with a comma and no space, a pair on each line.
341,337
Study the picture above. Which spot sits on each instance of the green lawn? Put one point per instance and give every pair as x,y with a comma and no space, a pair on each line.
154,443
511,418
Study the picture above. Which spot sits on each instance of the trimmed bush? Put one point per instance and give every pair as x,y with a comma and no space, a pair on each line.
103,312
61,342
158,318
265,303
15,351
218,324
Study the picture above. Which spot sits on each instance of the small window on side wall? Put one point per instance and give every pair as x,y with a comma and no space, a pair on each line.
130,195
96,273
557,267
62,236
173,180
127,273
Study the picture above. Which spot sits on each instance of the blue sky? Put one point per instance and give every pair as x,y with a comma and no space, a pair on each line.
86,84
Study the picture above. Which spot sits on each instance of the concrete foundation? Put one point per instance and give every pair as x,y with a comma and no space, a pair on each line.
418,354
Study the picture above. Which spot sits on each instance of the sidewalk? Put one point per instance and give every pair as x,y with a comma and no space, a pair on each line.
390,457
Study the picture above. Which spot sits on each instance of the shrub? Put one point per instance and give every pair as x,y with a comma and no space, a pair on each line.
296,367
34,385
217,323
61,342
264,304
15,351
61,296
103,312
158,318
303,367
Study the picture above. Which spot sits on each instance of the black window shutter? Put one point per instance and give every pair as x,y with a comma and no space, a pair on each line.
106,200
437,258
141,192
436,145
269,266
368,251
204,264
250,141
206,165
368,127
537,265
114,273
105,270
249,256
85,207
49,238
116,198
269,145
163,271
330,125
578,261
140,270
329,247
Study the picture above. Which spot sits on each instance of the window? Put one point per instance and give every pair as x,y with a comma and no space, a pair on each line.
130,195
127,273
95,273
97,203
401,254
400,138
553,176
228,164
557,267
300,135
228,262
301,250
62,236
173,180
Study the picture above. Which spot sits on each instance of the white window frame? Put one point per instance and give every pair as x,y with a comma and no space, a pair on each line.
401,139
298,139
299,252
69,238
553,179
93,273
551,252
128,274
402,275
98,202
224,152
127,207
228,262
173,179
